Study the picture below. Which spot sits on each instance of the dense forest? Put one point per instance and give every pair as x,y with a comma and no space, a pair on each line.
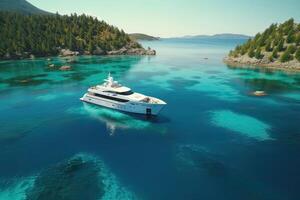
277,43
43,35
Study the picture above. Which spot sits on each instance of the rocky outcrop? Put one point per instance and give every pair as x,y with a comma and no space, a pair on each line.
130,49
133,51
68,52
246,62
98,51
133,48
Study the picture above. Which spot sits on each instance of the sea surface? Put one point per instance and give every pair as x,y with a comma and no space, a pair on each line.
214,140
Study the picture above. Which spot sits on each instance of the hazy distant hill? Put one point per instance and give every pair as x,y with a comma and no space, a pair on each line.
220,36
21,6
140,36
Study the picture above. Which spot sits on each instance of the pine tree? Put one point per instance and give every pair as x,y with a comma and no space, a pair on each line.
281,45
275,53
91,46
290,37
251,53
297,40
297,55
258,54
292,49
286,56
268,46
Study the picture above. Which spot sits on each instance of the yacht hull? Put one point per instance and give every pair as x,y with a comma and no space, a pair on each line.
132,107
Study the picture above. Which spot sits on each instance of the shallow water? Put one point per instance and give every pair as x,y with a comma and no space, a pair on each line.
214,140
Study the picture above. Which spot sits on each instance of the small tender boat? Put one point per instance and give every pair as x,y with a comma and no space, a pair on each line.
113,95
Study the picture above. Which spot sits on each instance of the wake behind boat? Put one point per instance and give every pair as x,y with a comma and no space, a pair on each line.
113,95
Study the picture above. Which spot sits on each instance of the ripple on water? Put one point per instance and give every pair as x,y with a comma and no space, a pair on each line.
292,95
47,97
243,124
113,119
51,96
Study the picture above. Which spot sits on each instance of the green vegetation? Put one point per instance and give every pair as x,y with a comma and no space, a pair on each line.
258,54
44,35
278,42
140,36
286,56
297,56
275,53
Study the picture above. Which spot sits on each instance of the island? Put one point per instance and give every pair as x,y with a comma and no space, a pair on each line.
141,36
28,32
278,47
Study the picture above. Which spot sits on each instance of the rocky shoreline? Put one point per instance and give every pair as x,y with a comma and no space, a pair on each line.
126,50
98,51
247,62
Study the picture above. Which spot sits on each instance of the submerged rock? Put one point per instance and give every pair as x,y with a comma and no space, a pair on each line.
73,179
197,160
65,68
26,80
201,166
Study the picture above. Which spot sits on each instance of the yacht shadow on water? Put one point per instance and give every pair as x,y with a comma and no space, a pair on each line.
115,119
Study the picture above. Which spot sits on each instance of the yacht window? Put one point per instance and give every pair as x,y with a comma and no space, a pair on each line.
111,98
109,91
125,93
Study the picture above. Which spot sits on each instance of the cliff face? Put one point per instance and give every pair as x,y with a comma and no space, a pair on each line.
278,47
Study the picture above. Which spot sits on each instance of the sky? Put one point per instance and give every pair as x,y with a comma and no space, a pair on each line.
172,18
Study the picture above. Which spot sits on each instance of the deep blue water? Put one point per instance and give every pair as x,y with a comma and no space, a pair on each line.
214,140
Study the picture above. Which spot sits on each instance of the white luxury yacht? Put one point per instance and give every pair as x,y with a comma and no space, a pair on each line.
111,94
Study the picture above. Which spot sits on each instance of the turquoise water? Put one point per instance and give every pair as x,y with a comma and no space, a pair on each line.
214,139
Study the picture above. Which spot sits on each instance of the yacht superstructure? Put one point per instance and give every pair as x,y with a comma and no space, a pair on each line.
113,95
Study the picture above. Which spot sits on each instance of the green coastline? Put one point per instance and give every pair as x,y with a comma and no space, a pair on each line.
278,47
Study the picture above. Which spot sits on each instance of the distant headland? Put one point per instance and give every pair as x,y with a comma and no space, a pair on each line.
278,47
141,36
215,36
